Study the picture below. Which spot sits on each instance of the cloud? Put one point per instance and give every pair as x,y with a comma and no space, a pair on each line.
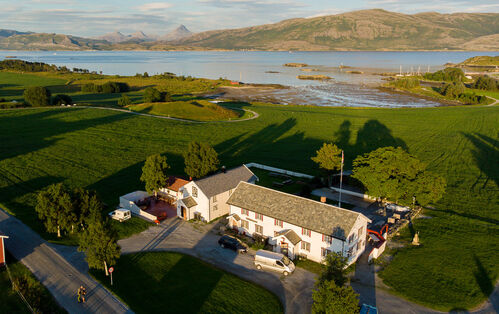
152,6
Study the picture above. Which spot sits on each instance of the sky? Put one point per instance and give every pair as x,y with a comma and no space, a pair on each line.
90,18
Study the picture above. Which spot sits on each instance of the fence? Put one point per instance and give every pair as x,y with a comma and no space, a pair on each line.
273,169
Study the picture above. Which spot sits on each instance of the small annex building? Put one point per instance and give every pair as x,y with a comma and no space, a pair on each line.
172,189
297,226
206,199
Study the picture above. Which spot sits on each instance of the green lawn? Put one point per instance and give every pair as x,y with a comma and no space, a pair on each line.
269,181
165,282
37,295
493,94
105,150
198,110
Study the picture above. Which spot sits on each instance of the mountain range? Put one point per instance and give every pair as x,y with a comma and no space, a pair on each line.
358,30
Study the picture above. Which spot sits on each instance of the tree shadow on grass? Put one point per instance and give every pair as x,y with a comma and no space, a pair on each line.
35,130
482,278
486,155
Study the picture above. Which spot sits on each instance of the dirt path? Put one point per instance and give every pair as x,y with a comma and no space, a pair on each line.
60,277
494,103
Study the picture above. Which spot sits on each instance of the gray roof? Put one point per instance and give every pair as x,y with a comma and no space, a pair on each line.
291,236
189,202
224,181
299,211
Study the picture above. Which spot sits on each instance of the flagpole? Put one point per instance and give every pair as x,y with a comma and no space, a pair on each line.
341,177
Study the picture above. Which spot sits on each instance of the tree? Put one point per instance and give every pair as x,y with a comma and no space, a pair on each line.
55,209
392,173
37,96
151,94
62,99
330,298
335,269
200,159
99,245
486,82
329,160
88,207
154,173
124,101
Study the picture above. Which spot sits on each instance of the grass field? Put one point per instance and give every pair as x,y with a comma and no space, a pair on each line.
38,297
164,282
455,267
198,110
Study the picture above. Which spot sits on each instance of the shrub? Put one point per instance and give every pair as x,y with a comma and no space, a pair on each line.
106,88
151,94
124,101
88,88
452,90
406,83
448,75
486,83
37,96
62,99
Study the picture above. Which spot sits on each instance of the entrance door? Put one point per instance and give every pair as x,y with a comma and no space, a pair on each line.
183,211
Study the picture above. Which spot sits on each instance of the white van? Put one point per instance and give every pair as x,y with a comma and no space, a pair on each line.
120,214
274,261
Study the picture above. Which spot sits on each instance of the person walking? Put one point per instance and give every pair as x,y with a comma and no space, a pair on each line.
83,293
79,293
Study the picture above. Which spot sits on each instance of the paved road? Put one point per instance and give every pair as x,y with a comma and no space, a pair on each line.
294,291
60,277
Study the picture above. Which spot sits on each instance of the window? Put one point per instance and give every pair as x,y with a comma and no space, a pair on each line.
194,191
327,239
245,224
324,252
306,232
360,232
305,246
258,216
350,238
244,212
214,199
278,222
258,229
215,208
360,244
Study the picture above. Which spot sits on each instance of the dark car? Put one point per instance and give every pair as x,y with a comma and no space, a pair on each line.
233,244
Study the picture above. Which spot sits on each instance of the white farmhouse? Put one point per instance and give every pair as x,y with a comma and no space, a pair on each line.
295,225
206,198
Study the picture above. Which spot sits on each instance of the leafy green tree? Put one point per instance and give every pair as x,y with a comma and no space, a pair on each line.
453,90
62,99
55,209
37,96
392,173
99,244
486,82
124,101
200,159
447,74
151,94
87,206
328,157
335,265
154,173
332,299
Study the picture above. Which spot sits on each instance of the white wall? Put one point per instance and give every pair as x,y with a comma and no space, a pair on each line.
203,203
315,239
273,169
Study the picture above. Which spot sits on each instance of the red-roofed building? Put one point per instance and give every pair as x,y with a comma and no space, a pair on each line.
173,186
2,250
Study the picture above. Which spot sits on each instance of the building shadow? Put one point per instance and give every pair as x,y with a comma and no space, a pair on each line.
483,279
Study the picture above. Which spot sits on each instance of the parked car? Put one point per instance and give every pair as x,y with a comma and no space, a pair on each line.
274,261
233,244
120,214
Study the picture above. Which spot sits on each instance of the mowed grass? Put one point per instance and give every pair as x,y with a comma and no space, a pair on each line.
456,265
164,282
198,110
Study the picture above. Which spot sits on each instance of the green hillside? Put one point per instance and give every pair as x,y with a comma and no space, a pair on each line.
360,30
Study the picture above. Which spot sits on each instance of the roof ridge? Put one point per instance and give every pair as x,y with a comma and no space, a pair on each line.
304,198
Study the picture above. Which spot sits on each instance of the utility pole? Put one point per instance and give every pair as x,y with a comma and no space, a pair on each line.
341,177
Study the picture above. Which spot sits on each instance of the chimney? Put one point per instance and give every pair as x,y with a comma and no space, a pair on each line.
223,169
323,199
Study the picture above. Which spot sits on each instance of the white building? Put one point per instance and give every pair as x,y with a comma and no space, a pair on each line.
206,198
295,225
173,188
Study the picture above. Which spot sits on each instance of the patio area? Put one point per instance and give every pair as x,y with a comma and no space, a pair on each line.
161,208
